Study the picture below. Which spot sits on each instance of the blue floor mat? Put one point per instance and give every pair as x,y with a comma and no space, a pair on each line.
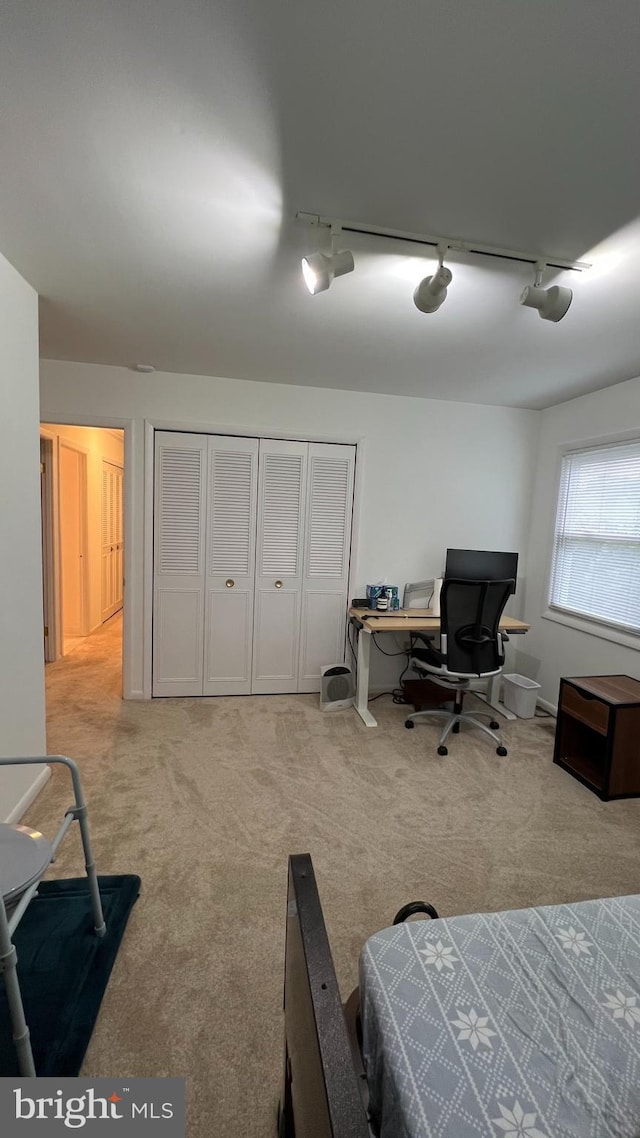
64,969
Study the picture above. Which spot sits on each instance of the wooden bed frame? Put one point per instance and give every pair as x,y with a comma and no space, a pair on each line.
325,1091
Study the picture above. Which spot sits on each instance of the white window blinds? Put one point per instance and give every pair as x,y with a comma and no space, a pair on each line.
596,554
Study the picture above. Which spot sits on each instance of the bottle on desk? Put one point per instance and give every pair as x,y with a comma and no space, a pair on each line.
382,602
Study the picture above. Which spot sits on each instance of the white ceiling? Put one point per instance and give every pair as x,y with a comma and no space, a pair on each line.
153,156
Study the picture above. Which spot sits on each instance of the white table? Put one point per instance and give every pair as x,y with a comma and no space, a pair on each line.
414,620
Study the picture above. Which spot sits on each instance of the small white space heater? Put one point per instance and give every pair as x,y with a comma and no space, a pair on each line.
336,687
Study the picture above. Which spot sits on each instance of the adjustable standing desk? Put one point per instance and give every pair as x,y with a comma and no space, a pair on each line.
413,620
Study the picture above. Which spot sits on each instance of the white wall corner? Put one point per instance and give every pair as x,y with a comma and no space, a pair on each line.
22,702
30,794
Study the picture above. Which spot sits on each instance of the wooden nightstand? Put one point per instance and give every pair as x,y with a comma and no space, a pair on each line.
598,733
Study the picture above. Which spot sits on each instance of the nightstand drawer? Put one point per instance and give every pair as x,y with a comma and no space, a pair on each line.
588,709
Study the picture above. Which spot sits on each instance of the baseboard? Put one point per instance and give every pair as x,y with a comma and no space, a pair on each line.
135,694
552,708
29,796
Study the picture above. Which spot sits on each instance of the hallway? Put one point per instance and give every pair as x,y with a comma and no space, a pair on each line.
95,661
102,648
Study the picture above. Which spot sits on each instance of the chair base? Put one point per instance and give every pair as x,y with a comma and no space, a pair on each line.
454,722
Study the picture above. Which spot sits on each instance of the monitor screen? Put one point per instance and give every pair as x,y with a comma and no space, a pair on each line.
481,565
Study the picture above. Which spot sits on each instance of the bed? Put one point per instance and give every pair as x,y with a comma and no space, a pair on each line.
524,1024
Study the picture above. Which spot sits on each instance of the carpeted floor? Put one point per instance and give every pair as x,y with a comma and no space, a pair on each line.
206,798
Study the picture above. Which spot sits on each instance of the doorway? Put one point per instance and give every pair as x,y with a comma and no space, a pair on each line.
83,543
73,544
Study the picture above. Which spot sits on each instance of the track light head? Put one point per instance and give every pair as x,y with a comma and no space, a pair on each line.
319,269
552,303
432,291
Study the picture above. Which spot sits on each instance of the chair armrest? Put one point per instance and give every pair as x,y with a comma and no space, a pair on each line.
504,637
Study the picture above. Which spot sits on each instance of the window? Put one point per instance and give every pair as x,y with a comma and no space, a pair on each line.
595,570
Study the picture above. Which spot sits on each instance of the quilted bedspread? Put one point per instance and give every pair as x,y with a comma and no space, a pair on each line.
521,1024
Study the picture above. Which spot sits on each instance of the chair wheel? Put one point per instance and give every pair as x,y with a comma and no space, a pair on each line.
409,723
442,751
494,725
501,751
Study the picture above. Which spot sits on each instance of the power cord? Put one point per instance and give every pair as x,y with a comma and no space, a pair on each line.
385,653
397,693
353,652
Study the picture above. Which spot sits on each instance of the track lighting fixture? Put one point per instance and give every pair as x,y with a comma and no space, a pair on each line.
319,269
552,303
432,291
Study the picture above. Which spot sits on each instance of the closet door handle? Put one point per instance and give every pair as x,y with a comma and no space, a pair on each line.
278,584
229,583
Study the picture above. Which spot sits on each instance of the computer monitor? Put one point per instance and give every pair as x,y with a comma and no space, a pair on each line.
481,565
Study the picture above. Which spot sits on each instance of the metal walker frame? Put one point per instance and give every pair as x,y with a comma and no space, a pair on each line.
9,924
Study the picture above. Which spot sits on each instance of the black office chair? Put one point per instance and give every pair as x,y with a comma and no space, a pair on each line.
471,646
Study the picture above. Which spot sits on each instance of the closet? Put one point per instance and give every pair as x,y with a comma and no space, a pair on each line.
251,563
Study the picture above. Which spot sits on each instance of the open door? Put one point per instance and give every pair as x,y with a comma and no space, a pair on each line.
73,512
47,516
112,540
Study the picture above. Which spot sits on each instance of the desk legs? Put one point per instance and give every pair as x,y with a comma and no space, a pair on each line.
492,698
362,689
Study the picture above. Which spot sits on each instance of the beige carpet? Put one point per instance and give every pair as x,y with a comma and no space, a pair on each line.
206,798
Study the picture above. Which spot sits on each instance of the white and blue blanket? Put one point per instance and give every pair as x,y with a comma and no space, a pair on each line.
522,1024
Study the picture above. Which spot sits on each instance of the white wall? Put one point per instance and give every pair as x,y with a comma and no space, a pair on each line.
552,650
433,474
97,445
22,721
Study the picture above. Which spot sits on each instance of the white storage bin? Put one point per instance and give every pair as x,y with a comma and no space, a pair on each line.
520,694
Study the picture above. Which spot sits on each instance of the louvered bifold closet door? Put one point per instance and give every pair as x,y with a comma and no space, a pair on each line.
230,565
327,547
279,558
179,562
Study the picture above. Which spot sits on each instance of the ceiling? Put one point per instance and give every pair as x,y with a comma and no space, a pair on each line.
153,156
